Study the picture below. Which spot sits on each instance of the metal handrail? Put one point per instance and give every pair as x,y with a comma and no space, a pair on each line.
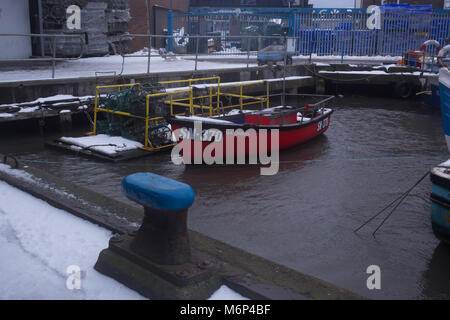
150,37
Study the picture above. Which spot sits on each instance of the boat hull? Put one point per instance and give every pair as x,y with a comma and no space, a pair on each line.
444,91
433,100
440,204
257,140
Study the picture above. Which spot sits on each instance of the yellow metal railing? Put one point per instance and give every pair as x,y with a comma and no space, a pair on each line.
190,101
148,144
214,92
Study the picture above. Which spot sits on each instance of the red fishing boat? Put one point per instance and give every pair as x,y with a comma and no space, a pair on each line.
249,133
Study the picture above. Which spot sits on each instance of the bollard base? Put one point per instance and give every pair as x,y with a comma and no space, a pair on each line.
189,281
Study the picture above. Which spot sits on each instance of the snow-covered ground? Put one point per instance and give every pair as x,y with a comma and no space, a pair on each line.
38,243
137,64
87,67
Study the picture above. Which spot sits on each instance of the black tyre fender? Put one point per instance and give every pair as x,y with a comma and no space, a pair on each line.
403,90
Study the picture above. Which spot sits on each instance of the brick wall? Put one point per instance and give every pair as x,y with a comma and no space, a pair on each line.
157,12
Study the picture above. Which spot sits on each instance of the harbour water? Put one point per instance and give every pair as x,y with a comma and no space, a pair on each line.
304,216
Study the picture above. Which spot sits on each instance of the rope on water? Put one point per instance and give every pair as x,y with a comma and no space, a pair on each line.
400,201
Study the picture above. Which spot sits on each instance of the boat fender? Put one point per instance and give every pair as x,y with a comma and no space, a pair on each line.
442,54
431,43
403,89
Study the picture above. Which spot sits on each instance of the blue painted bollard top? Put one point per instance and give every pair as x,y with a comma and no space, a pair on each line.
157,192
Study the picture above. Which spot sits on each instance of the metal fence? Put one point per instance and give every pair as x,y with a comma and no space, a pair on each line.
339,32
326,32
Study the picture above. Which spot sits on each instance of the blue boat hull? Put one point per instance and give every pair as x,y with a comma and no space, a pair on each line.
444,91
440,206
434,99
440,176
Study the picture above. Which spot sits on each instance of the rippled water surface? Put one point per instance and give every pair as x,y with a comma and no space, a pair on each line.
304,216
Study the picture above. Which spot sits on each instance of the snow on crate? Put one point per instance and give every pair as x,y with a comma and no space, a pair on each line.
103,143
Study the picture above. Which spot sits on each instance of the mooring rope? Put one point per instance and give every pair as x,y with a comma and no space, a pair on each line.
400,201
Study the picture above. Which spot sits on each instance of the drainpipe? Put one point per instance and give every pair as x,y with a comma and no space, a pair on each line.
170,30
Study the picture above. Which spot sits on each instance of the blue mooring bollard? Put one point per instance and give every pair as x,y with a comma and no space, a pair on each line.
163,236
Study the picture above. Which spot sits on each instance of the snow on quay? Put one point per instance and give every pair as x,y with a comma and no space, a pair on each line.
88,67
38,243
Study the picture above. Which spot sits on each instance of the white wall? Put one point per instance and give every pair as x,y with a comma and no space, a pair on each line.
14,18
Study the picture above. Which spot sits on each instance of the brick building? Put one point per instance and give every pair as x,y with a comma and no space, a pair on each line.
150,16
